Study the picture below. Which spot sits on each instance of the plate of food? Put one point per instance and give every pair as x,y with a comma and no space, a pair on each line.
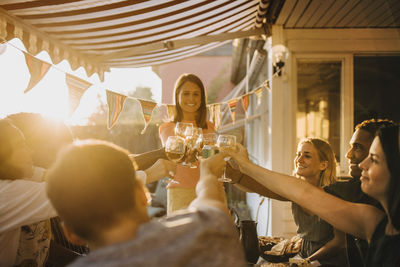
277,249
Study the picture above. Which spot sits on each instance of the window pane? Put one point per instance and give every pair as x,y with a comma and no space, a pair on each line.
376,78
318,102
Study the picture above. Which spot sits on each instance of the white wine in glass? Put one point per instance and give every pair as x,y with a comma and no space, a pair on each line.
180,128
227,141
209,147
175,148
193,134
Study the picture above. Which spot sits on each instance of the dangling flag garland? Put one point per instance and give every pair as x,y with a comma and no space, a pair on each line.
171,111
232,107
245,103
258,93
115,105
76,88
37,69
147,109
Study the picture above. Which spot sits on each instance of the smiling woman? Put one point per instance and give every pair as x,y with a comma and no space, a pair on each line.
50,96
190,107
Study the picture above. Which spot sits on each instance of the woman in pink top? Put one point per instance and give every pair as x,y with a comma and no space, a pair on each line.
190,106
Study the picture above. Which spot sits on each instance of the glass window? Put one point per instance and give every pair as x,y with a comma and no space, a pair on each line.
318,102
377,78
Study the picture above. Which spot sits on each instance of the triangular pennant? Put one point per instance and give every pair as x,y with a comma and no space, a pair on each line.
115,105
232,107
215,114
171,111
77,88
37,69
267,85
245,102
147,109
258,93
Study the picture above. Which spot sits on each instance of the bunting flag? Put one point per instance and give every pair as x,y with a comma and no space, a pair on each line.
37,68
266,84
232,107
77,88
215,114
258,93
115,104
245,102
147,109
171,111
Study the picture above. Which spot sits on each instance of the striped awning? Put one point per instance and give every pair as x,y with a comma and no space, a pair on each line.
99,34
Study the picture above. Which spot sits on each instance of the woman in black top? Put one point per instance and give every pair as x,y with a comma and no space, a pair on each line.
380,180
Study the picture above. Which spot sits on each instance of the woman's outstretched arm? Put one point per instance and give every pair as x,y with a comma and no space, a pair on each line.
248,184
357,219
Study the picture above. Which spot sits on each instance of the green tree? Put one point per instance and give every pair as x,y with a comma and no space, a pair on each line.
143,92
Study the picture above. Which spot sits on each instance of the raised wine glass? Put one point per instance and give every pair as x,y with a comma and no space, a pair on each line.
180,128
193,134
208,145
226,141
175,150
210,139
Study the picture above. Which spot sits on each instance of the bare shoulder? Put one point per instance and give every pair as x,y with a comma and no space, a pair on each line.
166,125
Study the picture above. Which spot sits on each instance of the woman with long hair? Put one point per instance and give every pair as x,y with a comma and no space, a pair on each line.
314,163
380,179
191,107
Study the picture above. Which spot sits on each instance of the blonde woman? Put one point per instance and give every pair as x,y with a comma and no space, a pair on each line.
314,163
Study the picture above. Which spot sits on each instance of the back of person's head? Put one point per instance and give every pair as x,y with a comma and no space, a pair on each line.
201,119
389,136
91,186
325,153
44,136
13,164
373,125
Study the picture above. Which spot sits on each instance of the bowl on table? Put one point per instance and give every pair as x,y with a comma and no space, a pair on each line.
275,249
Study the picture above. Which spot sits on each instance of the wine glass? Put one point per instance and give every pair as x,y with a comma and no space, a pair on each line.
208,145
226,141
181,127
193,134
175,150
210,139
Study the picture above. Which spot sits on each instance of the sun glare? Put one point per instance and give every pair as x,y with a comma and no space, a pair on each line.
50,96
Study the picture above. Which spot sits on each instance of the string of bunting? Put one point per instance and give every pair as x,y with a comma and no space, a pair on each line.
115,101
